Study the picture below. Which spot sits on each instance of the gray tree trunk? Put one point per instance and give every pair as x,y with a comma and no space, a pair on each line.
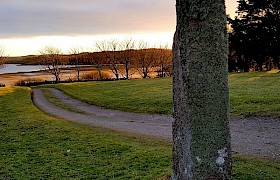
201,138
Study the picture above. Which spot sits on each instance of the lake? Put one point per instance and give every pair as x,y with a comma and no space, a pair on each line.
16,68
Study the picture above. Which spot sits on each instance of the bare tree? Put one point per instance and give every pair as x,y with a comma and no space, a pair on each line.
144,58
201,138
127,54
97,59
52,60
111,48
76,59
164,60
2,57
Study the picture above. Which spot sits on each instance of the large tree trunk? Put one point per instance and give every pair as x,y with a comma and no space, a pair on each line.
201,138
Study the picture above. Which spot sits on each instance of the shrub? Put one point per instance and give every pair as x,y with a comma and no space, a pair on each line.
29,82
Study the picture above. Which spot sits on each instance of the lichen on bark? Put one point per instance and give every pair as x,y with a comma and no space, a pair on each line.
200,91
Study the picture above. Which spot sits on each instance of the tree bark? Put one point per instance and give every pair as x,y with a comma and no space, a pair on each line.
201,138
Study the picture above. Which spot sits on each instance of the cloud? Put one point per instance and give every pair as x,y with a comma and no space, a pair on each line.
29,18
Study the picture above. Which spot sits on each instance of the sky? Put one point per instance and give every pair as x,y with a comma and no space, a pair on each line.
26,26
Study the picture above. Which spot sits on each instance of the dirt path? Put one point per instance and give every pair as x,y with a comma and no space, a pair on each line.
257,137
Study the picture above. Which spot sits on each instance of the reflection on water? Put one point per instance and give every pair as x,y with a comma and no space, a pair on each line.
16,68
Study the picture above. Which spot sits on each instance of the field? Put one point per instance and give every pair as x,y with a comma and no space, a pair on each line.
34,145
255,94
251,94
37,146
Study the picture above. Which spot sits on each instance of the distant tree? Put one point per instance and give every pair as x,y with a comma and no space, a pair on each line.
144,58
164,60
2,56
76,59
127,54
256,32
98,60
237,60
52,59
110,48
201,138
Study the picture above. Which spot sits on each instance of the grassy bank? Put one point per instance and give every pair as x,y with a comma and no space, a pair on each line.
147,95
251,94
36,146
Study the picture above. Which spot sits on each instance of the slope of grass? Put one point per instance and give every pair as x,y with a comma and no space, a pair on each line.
255,94
147,95
36,146
251,94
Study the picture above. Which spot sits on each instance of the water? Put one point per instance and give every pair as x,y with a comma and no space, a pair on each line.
16,68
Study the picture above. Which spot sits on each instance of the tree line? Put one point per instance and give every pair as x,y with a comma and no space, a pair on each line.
122,58
254,37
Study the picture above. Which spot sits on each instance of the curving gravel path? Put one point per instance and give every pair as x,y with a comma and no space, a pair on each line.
255,136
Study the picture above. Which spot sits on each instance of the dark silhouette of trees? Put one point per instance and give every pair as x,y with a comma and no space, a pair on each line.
255,36
201,138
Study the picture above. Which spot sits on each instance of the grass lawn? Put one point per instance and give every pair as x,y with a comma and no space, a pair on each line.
148,95
251,94
34,145
255,94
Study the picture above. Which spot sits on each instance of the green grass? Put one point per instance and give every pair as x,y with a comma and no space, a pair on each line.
34,145
248,168
255,94
251,94
147,95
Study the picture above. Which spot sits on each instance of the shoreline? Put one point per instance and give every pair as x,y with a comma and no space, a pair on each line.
10,79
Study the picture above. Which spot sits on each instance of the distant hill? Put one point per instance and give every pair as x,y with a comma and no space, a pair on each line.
27,60
85,57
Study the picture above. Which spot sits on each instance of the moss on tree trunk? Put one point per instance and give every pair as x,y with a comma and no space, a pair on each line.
201,139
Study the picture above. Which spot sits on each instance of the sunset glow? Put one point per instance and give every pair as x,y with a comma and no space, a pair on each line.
30,25
28,46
